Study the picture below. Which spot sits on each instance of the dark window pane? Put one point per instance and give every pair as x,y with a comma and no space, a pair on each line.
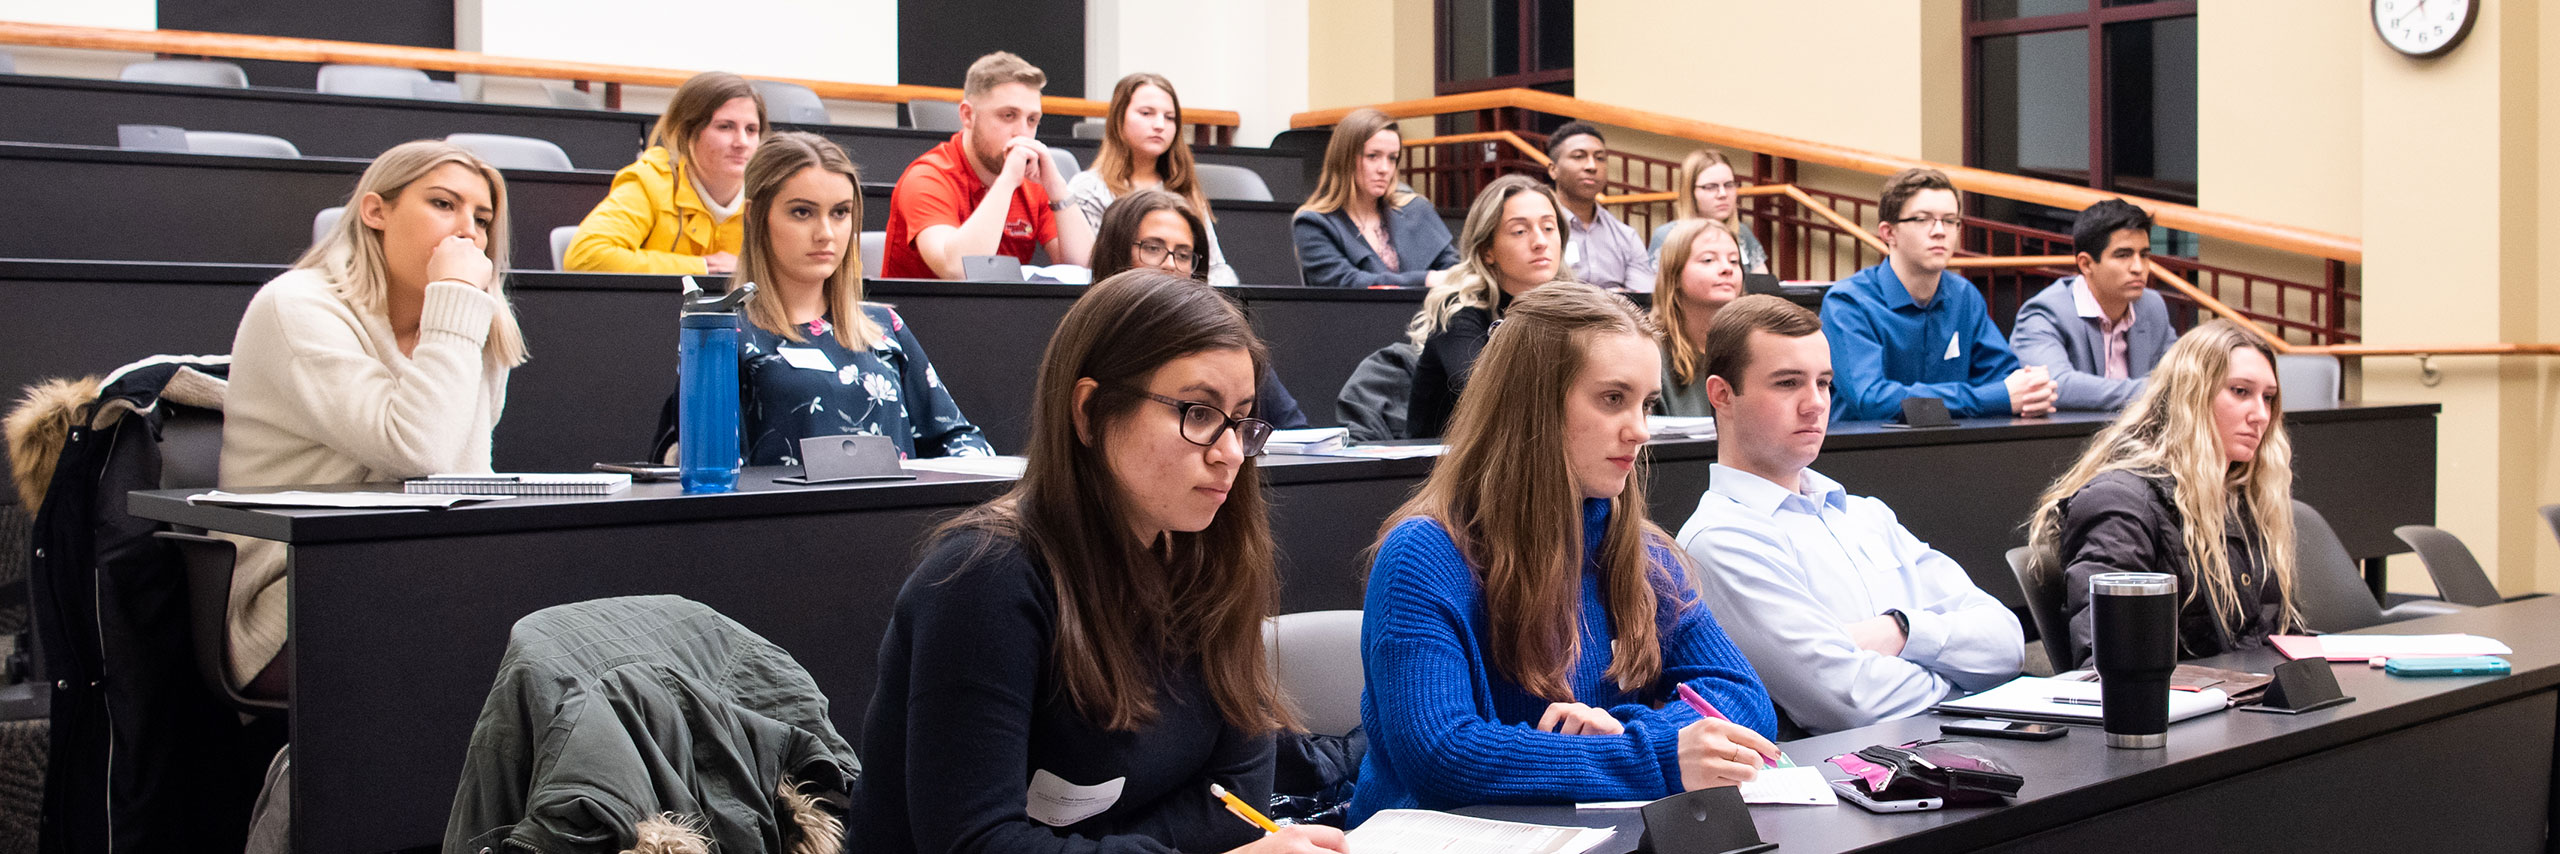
2032,105
1472,37
2002,10
2151,108
1555,34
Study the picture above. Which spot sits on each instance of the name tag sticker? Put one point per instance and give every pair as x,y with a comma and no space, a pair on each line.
806,358
1057,803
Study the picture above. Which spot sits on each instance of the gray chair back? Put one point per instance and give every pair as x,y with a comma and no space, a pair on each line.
2551,515
1089,129
151,138
2308,381
2458,576
2044,606
2329,590
565,95
1315,656
1065,161
791,103
371,80
933,115
874,245
245,144
1222,181
514,152
560,239
187,72
326,219
8,64
437,90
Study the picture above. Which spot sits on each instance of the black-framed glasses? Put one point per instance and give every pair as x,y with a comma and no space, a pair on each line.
1203,424
1153,252
1923,221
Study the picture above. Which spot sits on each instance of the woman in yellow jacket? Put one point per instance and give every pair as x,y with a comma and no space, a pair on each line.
676,209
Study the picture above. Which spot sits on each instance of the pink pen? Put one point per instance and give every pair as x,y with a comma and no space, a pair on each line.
1690,696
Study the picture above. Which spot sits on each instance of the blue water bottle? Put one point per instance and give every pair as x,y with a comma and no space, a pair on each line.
707,388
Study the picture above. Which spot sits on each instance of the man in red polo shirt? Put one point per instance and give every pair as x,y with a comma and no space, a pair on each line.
988,190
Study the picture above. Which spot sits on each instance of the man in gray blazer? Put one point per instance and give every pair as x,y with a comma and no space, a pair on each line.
2098,333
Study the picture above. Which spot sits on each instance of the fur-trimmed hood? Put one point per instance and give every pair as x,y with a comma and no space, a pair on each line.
46,412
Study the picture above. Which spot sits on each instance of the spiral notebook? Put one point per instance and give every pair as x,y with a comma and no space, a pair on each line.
509,483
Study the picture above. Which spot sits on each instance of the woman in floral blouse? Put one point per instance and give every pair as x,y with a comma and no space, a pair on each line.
817,360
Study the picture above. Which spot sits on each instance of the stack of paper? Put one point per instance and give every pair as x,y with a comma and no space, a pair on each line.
1307,441
1382,452
512,483
1802,785
1681,427
1418,831
989,466
344,500
2364,647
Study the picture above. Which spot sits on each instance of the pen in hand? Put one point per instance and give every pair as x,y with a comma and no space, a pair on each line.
1690,695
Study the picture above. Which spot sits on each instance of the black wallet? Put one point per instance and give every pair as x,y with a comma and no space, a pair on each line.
1960,772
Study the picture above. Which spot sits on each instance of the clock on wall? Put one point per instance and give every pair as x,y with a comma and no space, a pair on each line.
2424,27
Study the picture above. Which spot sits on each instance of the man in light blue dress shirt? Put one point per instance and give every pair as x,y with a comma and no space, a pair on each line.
1848,618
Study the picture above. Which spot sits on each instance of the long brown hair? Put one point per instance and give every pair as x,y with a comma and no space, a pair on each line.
692,107
1129,611
1508,499
1339,183
776,161
350,254
1685,358
1473,284
1115,161
1113,241
2168,431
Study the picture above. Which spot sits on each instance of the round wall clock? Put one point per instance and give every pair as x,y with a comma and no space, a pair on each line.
2424,27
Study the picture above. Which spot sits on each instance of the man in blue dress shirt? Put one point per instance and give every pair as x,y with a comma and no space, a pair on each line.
1848,618
1908,328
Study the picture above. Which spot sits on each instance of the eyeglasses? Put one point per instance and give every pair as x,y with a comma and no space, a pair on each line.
1154,252
1203,424
1923,221
1724,188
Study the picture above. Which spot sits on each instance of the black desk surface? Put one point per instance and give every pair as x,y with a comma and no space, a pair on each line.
2078,778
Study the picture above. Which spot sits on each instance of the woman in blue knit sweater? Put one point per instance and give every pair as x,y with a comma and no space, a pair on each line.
1526,625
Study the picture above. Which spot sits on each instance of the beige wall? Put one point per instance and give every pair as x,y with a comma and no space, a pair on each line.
1262,78
1367,52
1886,75
2280,121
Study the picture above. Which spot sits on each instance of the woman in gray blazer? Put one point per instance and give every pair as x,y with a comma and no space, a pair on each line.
1360,230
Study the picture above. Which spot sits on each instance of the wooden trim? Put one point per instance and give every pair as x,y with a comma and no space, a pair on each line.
2005,261
227,45
2171,215
1841,222
1485,136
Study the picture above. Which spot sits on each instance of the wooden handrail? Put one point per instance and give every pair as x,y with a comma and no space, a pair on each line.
1514,139
2182,217
191,43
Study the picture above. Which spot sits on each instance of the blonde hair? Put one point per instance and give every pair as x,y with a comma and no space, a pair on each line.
1684,204
2168,431
1509,501
692,108
1115,161
1339,183
1472,284
774,164
350,254
999,68
1685,358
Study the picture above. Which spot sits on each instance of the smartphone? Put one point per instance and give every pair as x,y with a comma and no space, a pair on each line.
2005,729
2460,665
641,472
1856,792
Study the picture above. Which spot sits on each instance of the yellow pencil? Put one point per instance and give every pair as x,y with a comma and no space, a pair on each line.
1237,806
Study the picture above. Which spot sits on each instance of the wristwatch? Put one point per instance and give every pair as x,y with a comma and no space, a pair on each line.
1056,206
1901,621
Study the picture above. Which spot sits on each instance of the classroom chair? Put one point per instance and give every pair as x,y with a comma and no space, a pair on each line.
1065,161
380,82
186,72
514,152
560,239
2044,607
1315,656
2331,592
791,103
2458,576
2309,381
934,115
565,95
874,245
1233,183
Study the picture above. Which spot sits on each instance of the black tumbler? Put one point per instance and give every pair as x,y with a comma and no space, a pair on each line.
2137,650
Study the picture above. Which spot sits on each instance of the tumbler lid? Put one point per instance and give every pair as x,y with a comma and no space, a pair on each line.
2133,584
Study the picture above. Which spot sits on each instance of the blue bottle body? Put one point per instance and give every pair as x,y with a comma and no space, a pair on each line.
707,402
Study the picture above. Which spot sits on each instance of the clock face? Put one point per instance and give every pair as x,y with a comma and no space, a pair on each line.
2423,27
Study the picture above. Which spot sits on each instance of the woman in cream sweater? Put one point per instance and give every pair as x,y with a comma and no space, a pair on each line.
382,354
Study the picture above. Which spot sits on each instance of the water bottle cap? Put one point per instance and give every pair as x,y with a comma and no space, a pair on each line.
2133,584
697,302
